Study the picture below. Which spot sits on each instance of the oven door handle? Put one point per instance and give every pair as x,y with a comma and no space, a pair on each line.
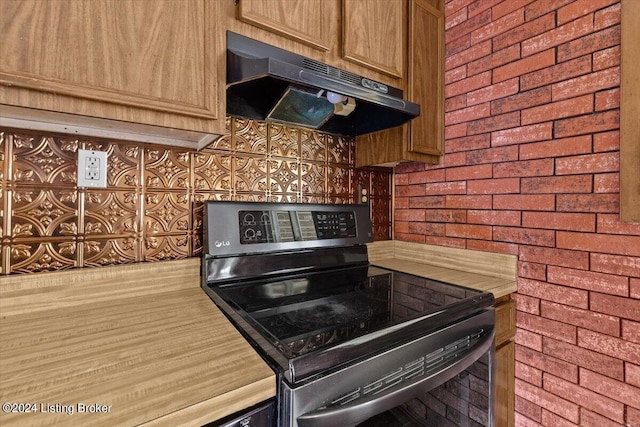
364,408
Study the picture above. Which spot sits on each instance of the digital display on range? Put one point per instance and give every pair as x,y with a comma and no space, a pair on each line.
290,226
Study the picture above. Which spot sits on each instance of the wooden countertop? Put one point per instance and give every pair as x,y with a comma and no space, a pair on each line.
490,272
143,342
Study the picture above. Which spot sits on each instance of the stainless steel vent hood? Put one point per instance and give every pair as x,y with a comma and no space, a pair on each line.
269,83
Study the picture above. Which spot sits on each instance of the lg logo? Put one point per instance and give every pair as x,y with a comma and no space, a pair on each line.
220,244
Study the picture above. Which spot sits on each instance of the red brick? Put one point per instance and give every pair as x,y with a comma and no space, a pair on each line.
410,237
456,46
551,419
556,73
529,339
525,236
588,163
532,270
468,26
557,110
580,8
410,190
606,141
528,304
498,26
521,100
426,229
610,224
583,397
467,85
494,60
591,419
633,375
606,183
494,186
432,175
427,202
559,221
548,401
568,296
469,231
592,123
492,155
445,241
542,202
496,247
612,346
524,32
446,215
455,18
616,264
589,44
547,363
499,90
562,34
522,421
493,217
607,17
633,417
631,331
557,184
455,159
494,123
556,148
468,202
469,172
599,203
564,258
634,288
529,374
522,134
455,5
456,103
524,66
539,8
480,6
608,99
586,84
627,308
452,187
455,74
467,114
525,168
464,56
455,131
589,280
586,319
409,214
602,243
606,58
474,142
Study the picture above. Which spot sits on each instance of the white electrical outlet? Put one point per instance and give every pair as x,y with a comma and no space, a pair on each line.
92,168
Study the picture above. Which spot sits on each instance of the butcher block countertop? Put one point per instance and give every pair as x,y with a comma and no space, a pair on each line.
130,345
485,271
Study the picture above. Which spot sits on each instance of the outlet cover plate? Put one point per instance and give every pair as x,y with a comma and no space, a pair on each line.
92,168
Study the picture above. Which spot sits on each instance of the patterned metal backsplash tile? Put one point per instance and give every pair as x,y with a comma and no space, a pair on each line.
152,208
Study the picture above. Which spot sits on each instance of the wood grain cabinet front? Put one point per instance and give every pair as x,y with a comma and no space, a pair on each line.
148,62
505,362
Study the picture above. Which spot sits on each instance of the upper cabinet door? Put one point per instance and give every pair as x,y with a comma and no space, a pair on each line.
305,21
426,75
143,61
374,34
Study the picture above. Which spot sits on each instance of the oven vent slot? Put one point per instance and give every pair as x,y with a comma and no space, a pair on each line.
328,70
414,369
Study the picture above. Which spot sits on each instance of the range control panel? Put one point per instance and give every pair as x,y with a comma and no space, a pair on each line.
233,228
291,226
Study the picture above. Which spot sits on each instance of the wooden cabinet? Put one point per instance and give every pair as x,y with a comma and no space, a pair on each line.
148,62
422,139
505,362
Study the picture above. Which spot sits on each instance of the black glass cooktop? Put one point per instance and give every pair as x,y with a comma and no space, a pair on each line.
302,313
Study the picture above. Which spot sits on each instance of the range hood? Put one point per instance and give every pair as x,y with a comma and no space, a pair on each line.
269,83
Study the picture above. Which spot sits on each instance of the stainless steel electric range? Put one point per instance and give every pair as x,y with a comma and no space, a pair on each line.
351,343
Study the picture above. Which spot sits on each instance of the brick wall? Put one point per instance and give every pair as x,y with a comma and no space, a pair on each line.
532,169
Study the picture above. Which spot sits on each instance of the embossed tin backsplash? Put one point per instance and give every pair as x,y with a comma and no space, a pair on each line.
152,207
